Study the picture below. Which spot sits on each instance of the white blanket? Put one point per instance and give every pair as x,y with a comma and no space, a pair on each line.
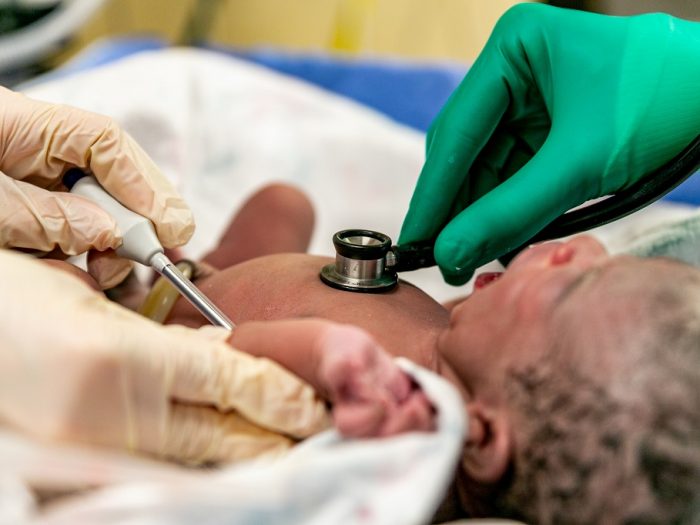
220,128
326,480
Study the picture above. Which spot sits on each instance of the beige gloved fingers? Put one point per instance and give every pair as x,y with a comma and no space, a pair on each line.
108,268
198,434
62,366
76,367
41,141
32,217
259,389
192,367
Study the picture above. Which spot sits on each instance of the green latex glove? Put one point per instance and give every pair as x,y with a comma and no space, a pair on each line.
560,107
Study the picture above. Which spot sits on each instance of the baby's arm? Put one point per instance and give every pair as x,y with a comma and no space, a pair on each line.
291,343
371,395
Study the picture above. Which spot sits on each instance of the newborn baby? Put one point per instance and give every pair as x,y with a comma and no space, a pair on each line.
257,283
580,372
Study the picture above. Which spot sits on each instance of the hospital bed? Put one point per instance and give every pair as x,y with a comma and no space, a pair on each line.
220,125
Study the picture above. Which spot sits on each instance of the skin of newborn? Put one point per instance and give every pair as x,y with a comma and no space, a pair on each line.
404,322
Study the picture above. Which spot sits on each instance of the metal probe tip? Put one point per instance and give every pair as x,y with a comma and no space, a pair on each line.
167,269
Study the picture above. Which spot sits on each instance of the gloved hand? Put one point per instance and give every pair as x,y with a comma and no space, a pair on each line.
75,367
39,142
560,107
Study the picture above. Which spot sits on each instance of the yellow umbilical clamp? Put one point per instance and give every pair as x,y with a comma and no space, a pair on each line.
160,300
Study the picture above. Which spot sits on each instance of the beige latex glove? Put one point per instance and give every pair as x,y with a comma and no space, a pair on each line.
76,367
39,142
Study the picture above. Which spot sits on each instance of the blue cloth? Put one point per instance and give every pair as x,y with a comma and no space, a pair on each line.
411,94
688,192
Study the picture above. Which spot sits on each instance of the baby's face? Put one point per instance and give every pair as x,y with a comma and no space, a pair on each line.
507,321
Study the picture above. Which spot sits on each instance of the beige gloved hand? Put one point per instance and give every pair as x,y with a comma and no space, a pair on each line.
39,142
76,367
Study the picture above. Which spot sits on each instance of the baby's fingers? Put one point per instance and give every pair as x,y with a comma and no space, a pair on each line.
358,420
416,414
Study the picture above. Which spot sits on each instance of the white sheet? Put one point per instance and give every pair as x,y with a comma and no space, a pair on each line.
220,128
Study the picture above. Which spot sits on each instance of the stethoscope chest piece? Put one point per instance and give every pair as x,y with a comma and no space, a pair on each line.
360,262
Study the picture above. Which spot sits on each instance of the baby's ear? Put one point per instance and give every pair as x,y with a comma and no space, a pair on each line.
488,447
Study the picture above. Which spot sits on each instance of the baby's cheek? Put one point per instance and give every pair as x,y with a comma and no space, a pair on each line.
540,299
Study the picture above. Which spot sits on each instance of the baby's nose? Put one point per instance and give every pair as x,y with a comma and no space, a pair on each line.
582,249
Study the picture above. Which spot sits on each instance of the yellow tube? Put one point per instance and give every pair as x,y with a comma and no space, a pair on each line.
160,300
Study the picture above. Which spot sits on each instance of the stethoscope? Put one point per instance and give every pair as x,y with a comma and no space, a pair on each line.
366,261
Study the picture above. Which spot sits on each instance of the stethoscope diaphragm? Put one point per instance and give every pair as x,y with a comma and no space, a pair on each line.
360,262
366,262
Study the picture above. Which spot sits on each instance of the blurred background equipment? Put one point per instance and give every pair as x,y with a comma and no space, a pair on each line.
38,35
447,29
31,30
401,57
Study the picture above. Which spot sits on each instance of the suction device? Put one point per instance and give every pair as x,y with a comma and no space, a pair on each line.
140,244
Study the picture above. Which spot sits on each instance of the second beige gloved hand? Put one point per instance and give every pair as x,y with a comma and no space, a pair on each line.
75,367
39,142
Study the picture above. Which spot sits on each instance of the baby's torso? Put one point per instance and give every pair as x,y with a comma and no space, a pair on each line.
405,321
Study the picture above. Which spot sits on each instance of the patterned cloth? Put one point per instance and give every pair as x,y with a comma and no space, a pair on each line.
678,239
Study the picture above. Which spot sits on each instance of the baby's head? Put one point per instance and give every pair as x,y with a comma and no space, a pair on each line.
583,373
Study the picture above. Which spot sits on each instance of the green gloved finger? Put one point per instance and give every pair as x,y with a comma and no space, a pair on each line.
465,128
454,141
619,95
502,219
503,156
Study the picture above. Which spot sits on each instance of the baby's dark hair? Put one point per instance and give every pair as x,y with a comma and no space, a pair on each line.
622,450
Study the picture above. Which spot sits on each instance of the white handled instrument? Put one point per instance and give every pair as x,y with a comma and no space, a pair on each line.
141,244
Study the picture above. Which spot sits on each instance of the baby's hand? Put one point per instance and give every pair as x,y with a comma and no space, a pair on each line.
371,395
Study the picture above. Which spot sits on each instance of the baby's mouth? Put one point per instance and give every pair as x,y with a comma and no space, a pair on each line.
484,279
